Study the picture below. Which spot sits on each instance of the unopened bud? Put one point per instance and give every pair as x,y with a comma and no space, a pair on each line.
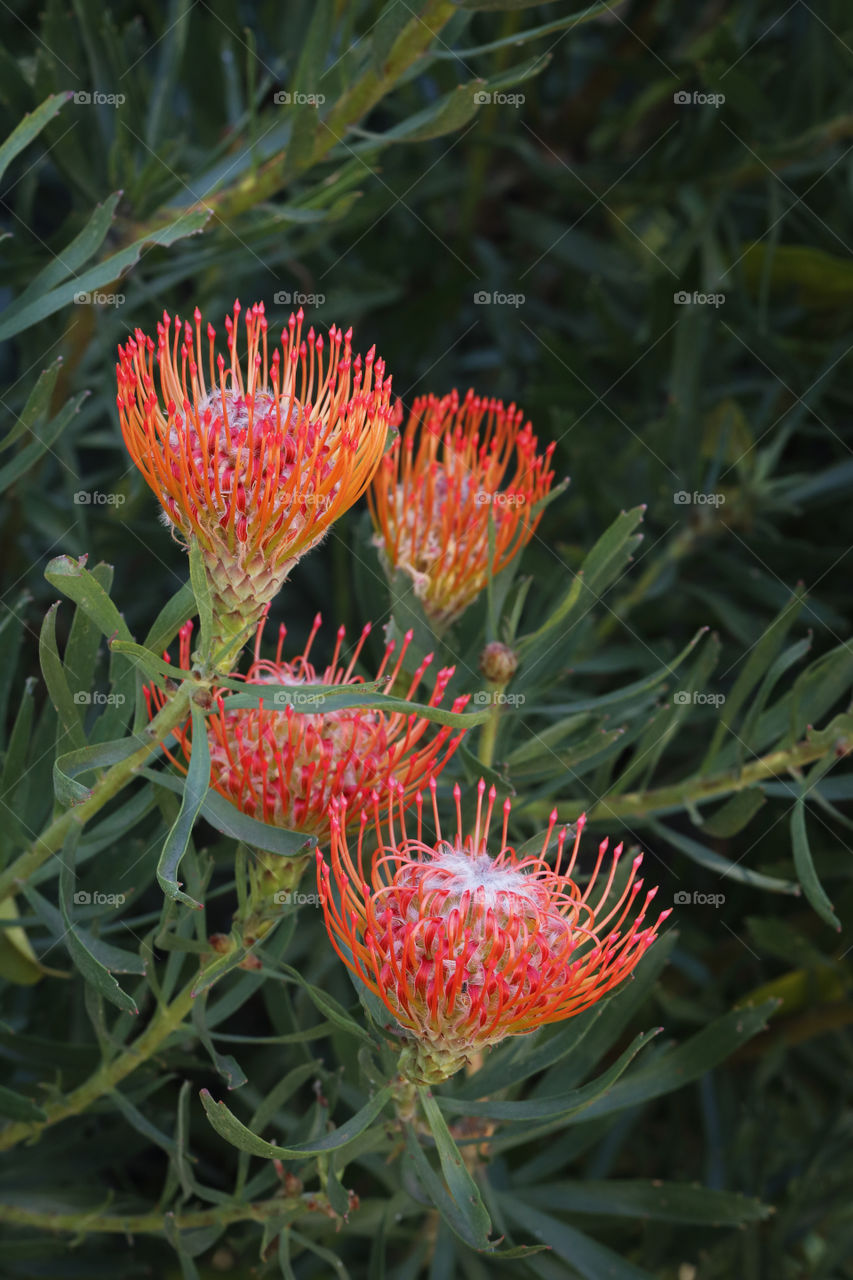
498,662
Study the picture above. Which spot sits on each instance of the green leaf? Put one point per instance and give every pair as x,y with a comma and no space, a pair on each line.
202,595
735,814
38,403
33,451
67,707
762,655
563,1106
391,23
228,819
74,254
229,1127
170,619
686,1062
697,853
804,864
196,788
651,1201
74,580
462,1188
587,1257
97,756
14,1106
30,127
19,317
94,972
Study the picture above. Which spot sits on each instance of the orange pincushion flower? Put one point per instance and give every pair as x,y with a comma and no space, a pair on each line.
254,461
464,948
284,766
432,495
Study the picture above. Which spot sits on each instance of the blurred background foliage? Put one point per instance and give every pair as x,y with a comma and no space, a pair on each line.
397,204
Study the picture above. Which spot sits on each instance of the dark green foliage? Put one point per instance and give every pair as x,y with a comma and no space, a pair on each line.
670,298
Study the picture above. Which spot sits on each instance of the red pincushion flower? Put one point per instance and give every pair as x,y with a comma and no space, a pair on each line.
254,461
433,492
284,766
464,948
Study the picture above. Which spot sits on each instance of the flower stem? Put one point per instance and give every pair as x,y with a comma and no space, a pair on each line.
108,785
86,1222
695,790
489,730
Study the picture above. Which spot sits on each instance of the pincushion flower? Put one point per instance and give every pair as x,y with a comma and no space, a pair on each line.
454,465
255,460
464,947
284,765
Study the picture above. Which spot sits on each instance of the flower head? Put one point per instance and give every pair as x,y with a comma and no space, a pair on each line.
257,459
284,765
437,486
465,948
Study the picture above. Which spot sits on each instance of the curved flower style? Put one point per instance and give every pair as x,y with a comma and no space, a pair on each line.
257,461
464,948
284,766
432,495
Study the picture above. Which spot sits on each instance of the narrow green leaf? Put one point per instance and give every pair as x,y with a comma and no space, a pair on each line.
17,318
74,580
704,857
203,598
804,864
195,790
686,1062
735,814
31,453
14,1106
90,967
38,403
651,1201
567,1104
586,1256
74,254
229,1127
67,708
170,619
30,127
462,1187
